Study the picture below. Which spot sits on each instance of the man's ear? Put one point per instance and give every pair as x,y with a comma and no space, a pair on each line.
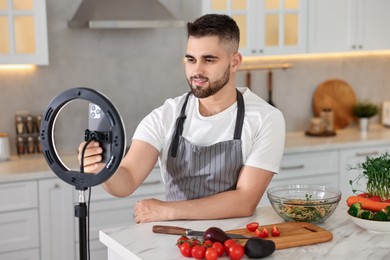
236,61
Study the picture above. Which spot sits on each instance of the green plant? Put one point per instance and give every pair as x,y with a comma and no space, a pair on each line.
365,109
376,171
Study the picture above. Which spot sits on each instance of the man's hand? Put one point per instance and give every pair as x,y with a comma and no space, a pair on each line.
150,210
92,157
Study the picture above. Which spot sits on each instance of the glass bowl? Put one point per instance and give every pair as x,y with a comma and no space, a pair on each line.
303,202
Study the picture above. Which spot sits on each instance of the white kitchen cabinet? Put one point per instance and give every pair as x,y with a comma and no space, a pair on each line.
56,220
107,211
317,168
19,224
23,32
32,254
267,27
350,158
348,25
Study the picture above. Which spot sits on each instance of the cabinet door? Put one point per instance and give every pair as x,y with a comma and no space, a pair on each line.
331,26
56,220
23,32
280,27
350,158
31,254
267,27
373,19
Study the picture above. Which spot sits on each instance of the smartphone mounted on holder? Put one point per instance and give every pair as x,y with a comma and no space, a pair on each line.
99,129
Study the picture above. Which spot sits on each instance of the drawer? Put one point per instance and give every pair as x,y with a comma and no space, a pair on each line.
305,164
31,254
19,230
18,195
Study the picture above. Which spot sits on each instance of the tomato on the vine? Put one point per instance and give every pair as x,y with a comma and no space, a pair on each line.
198,252
211,254
228,243
181,240
185,249
252,226
219,247
207,243
236,251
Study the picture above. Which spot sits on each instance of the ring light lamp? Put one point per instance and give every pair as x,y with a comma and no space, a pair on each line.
117,136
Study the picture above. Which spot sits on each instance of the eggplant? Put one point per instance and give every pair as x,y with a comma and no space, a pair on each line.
257,247
215,234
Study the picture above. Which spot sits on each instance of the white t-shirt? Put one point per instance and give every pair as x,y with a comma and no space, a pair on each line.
263,133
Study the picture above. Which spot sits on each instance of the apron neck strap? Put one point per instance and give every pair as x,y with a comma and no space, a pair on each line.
240,116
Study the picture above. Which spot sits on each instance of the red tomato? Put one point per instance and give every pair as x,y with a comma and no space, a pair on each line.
275,231
236,251
185,249
228,243
198,252
262,234
207,243
211,254
252,226
181,240
375,198
364,195
219,247
388,201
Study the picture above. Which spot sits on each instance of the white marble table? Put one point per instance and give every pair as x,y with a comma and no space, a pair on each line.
349,241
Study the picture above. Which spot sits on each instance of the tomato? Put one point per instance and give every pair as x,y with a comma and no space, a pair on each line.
364,195
198,252
262,234
211,254
185,249
375,198
196,241
219,247
207,243
181,240
236,251
252,226
228,243
387,201
275,231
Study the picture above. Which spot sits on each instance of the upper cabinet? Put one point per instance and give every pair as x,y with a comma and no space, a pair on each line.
268,27
23,32
348,25
274,27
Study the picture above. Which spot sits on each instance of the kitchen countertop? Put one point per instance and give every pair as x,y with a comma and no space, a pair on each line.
137,241
33,167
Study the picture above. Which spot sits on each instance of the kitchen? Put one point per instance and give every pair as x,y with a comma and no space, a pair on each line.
120,62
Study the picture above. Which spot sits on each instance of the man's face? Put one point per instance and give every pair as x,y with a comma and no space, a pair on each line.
207,65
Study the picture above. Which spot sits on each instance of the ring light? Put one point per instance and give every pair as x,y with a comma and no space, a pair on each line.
117,136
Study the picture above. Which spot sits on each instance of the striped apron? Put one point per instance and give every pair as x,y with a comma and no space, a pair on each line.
200,171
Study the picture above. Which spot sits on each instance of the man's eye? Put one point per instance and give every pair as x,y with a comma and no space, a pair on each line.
189,60
210,60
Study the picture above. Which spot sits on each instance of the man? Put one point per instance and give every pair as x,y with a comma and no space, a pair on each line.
218,147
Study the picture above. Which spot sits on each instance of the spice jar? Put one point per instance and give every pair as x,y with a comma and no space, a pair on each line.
20,145
316,125
19,124
328,119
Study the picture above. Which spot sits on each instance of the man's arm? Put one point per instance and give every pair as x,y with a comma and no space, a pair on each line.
133,170
251,185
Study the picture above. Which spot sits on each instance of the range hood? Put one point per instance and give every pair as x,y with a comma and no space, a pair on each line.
122,14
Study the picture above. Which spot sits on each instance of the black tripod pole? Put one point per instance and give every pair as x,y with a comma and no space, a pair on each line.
82,213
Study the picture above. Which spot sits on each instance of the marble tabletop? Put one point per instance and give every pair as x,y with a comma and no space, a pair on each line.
137,241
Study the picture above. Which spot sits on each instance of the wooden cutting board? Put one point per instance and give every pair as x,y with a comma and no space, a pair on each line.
292,234
340,97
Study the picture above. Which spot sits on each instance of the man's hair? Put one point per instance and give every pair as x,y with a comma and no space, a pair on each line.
220,25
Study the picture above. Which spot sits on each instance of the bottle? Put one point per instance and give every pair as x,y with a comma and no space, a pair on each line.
328,119
4,147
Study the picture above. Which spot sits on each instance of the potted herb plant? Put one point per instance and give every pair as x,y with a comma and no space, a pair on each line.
364,110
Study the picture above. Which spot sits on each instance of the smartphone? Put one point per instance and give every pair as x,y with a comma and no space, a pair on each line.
97,121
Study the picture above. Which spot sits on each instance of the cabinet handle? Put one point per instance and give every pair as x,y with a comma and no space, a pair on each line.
367,154
56,186
360,46
294,167
253,51
353,47
151,183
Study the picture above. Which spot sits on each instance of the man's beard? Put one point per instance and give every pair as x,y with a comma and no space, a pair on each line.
213,88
